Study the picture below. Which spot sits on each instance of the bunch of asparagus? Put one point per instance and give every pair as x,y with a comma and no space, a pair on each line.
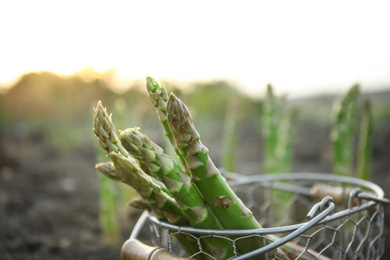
188,190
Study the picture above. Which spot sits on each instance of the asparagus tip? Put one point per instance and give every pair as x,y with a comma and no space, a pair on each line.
108,169
178,114
99,105
173,104
152,85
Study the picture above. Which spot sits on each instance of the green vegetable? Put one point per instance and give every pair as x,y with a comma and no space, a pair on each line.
365,143
284,148
152,191
277,125
129,170
179,183
108,207
225,204
105,131
159,97
159,200
270,122
343,131
230,136
109,170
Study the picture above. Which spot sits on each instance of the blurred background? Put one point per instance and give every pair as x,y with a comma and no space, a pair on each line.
58,58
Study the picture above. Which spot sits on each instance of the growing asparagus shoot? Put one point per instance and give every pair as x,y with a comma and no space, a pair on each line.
230,136
108,208
365,143
343,131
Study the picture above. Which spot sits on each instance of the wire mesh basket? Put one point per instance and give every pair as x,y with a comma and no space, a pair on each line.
303,215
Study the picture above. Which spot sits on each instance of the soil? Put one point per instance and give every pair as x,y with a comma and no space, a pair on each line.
49,196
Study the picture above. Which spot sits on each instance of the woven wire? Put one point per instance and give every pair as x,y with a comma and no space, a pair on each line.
353,231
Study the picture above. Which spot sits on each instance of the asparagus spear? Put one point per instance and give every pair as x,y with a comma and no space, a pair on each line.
159,97
271,117
109,170
105,132
109,218
284,147
211,184
178,181
364,149
163,205
343,131
133,175
230,135
228,208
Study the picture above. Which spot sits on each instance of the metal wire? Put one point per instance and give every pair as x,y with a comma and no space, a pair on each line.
323,215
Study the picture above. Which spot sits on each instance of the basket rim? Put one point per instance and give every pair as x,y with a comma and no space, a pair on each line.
245,179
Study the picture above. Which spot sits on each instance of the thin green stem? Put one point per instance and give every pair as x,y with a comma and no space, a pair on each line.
229,137
365,143
343,131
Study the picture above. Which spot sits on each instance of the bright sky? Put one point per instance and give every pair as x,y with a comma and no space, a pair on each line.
298,46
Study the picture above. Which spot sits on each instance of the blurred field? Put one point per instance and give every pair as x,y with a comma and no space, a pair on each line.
48,184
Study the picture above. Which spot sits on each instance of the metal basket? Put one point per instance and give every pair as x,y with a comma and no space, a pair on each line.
317,216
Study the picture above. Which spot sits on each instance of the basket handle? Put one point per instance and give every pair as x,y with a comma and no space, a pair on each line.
133,249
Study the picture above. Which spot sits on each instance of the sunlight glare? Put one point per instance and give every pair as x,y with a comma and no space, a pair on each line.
323,45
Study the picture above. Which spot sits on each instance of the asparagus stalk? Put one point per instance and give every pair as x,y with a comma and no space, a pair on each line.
227,207
108,209
230,136
163,205
283,156
105,132
108,169
133,175
343,132
285,141
128,194
159,97
211,184
271,115
277,131
178,181
364,149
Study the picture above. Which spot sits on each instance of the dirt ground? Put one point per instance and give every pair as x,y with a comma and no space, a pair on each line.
49,197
